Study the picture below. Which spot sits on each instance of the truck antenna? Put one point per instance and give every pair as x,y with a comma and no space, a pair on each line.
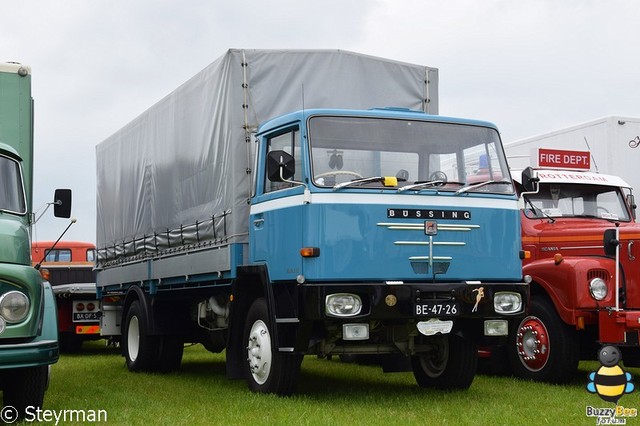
592,157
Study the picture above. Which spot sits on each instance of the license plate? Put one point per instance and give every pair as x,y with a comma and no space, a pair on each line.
85,316
437,309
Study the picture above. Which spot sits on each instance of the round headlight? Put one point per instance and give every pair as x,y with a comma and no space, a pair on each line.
598,288
14,306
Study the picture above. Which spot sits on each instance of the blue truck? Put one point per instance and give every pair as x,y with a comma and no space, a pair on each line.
28,325
335,228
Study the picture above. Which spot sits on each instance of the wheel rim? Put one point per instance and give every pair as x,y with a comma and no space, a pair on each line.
133,338
259,352
434,363
532,344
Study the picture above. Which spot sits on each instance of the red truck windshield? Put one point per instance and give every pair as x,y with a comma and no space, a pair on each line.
577,200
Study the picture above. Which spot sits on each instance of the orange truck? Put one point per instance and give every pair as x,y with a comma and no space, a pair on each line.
69,267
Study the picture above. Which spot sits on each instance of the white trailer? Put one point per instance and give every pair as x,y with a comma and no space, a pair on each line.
614,143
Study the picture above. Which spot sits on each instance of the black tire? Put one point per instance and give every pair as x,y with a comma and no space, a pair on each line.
138,347
542,347
169,354
26,387
451,365
267,370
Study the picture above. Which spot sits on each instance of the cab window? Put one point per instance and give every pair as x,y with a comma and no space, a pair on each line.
290,143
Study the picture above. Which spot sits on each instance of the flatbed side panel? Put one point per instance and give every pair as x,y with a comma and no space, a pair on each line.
186,265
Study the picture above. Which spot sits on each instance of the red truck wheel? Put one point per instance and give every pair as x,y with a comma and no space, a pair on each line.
543,347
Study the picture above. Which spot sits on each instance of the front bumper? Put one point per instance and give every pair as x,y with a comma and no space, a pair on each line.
383,301
393,318
30,354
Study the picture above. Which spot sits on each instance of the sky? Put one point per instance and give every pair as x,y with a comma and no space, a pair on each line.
528,66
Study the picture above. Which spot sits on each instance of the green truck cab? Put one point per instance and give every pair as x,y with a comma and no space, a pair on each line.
28,325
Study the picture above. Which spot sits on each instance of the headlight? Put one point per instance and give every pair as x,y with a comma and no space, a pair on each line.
343,305
598,288
506,302
14,306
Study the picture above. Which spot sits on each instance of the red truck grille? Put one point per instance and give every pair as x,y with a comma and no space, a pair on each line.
598,273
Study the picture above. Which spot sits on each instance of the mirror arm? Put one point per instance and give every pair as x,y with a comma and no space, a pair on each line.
307,193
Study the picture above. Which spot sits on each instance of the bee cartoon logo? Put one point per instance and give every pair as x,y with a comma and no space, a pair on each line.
610,382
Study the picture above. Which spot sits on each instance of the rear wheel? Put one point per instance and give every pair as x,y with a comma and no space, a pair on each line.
169,353
543,347
266,369
451,364
139,348
26,387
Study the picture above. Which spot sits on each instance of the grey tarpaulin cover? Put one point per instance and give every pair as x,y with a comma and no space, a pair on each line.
177,175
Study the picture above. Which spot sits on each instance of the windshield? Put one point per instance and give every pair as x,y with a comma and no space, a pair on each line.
422,155
576,200
11,192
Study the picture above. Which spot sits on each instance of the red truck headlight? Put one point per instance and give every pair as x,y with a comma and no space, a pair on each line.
598,288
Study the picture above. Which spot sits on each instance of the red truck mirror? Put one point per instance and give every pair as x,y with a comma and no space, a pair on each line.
631,202
610,242
530,180
281,166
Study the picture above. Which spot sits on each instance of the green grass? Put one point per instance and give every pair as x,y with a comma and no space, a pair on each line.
329,393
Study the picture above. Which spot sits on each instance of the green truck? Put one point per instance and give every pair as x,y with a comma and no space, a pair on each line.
28,325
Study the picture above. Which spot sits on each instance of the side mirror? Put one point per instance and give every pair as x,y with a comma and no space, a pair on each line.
281,166
631,202
610,242
530,180
62,203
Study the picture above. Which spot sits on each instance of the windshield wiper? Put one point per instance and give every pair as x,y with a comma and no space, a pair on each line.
421,185
535,210
480,185
361,181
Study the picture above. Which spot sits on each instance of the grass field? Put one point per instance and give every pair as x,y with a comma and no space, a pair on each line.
329,393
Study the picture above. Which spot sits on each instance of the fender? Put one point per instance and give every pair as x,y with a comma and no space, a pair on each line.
137,293
251,284
566,283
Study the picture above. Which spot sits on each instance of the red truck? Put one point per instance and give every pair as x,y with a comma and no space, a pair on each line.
582,247
68,266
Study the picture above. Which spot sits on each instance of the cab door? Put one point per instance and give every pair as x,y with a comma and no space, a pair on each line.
277,211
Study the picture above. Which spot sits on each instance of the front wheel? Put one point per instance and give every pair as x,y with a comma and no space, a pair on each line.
26,387
451,364
543,347
266,369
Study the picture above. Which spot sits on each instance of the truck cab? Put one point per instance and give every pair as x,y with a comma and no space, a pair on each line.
68,266
579,298
393,230
28,328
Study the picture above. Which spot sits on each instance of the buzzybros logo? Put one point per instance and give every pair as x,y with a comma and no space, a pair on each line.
610,382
